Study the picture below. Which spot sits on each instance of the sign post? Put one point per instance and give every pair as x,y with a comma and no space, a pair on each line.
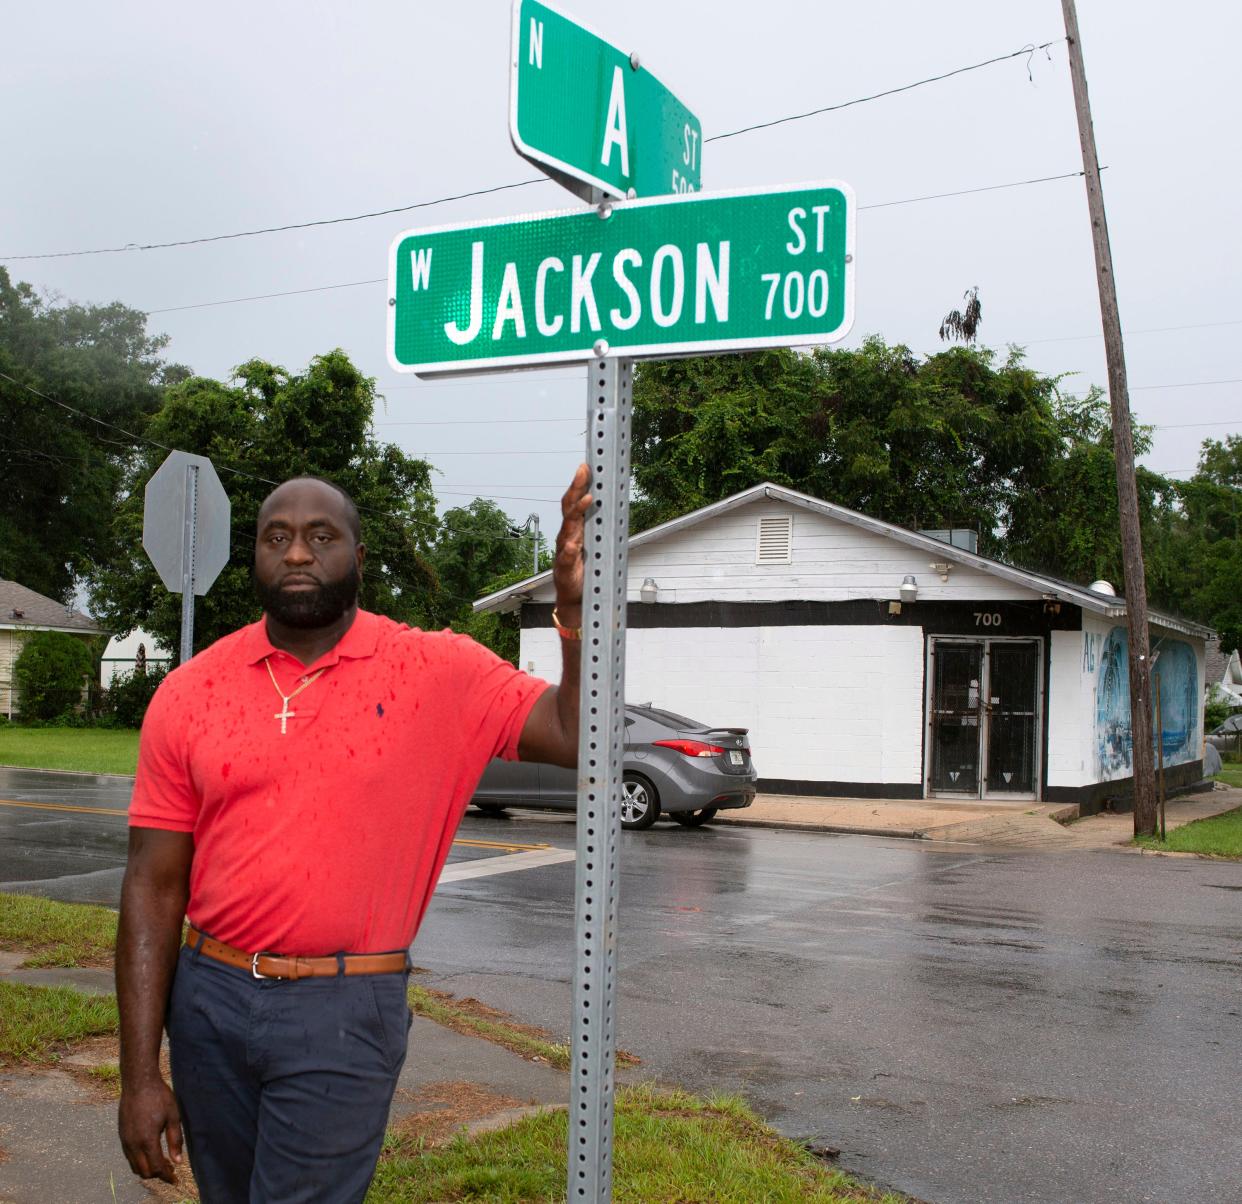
185,531
641,274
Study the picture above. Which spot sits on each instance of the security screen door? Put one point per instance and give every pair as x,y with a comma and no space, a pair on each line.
983,721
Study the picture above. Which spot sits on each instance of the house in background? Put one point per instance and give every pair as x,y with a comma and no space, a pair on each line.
1223,675
121,655
22,611
869,660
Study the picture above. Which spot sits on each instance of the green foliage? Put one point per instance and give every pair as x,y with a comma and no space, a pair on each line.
126,700
61,471
476,553
946,441
50,673
93,750
57,934
37,1022
1215,712
272,424
1211,501
1218,836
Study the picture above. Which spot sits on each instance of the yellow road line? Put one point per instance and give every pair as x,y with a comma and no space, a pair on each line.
501,844
509,846
12,802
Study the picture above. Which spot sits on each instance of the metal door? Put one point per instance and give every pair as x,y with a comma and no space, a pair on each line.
983,718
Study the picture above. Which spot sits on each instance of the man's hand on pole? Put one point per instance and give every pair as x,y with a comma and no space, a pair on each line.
551,730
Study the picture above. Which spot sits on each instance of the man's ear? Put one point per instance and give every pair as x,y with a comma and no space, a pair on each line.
361,555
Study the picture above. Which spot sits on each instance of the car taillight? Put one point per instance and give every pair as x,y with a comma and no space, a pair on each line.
691,748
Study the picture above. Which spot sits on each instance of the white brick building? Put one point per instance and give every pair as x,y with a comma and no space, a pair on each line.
786,614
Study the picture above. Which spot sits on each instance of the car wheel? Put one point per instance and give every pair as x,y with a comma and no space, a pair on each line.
640,805
491,808
694,819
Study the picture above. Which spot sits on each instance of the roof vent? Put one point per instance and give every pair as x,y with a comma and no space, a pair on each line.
17,614
1102,587
775,542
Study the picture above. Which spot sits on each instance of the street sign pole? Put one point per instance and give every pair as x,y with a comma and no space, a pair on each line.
189,524
601,741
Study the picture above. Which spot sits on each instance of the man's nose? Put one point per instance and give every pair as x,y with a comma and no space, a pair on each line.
299,552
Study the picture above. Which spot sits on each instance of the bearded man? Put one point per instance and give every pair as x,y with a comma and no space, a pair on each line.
299,784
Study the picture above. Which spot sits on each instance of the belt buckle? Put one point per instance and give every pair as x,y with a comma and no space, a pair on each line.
254,967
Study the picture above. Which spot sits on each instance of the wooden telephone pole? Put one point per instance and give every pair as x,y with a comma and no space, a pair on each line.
1123,450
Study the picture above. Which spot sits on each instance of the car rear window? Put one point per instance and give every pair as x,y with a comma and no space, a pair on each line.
668,717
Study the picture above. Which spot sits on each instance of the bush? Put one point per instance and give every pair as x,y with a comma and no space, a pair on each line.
126,700
50,673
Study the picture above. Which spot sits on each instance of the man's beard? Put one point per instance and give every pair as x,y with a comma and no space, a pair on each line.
310,608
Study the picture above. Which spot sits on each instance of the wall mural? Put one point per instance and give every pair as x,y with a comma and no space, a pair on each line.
1105,662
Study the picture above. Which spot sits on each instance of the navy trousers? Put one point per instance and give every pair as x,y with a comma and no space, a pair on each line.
284,1087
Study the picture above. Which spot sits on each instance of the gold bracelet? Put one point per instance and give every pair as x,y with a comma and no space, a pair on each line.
567,633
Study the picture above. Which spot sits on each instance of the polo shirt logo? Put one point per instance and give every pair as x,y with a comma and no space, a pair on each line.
379,709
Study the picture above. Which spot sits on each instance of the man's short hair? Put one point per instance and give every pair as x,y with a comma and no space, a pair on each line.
351,508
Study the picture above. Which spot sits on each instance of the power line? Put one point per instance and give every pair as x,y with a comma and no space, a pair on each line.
932,79
326,288
1074,338
1028,50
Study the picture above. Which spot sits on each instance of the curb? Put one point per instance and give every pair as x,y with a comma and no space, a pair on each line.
835,829
77,773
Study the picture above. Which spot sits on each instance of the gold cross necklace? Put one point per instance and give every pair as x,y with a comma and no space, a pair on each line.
285,714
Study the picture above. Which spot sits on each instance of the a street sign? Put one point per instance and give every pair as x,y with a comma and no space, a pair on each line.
165,521
592,116
648,278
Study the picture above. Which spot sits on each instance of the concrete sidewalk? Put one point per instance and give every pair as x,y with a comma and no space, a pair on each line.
58,1134
1015,825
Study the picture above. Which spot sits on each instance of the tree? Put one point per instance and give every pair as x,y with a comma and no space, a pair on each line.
61,471
1212,566
477,552
51,673
946,441
475,545
264,427
963,324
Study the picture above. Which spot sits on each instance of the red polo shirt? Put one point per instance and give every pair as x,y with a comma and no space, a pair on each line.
331,837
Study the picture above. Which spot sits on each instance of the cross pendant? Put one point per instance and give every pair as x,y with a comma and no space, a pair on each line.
284,715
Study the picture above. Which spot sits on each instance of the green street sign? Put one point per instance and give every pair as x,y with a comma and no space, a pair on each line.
653,278
592,116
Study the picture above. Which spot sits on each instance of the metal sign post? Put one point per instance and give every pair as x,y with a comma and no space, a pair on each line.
188,523
601,742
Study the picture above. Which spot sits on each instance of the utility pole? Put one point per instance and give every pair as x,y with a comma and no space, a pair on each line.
1143,758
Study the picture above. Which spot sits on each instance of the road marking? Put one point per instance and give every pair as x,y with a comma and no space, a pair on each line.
507,846
12,802
505,865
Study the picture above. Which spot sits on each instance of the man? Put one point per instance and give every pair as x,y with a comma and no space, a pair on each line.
299,783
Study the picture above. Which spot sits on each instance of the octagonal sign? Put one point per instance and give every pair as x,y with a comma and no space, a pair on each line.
169,535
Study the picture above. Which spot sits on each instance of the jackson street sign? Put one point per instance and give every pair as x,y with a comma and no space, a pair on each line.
648,278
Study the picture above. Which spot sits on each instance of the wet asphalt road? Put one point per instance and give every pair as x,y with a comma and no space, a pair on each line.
966,1025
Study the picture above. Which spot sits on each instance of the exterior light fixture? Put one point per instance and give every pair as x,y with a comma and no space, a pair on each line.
909,589
649,591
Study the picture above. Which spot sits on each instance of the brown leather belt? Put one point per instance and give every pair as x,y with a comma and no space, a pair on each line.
273,965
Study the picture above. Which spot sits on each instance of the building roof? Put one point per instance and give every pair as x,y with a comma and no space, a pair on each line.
22,609
1109,605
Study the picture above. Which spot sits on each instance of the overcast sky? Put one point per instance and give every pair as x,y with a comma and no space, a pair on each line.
139,122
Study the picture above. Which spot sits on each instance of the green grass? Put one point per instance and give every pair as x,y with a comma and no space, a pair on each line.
36,1022
667,1146
57,934
443,1009
1220,835
89,750
1231,773
108,1076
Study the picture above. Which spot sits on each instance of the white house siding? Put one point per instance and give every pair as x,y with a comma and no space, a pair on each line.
832,561
10,648
822,703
